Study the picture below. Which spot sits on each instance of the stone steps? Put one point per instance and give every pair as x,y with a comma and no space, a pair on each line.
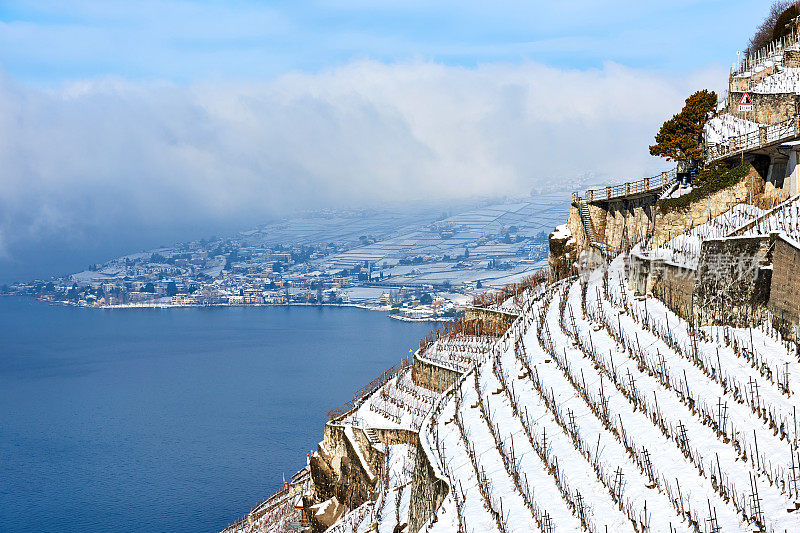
372,436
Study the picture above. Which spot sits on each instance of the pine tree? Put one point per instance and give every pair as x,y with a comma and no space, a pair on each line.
678,138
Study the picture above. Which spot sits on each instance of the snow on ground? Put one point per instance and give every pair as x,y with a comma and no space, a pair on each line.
783,218
684,249
562,232
786,80
398,404
676,191
706,398
721,128
457,352
390,509
359,520
602,410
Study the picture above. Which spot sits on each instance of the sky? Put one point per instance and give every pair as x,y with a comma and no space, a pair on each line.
128,125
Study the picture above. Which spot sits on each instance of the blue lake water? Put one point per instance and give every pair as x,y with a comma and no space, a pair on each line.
170,420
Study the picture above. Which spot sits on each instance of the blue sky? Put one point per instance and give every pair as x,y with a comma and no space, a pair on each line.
51,41
127,125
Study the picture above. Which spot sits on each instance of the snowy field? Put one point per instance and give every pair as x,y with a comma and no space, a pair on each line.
477,230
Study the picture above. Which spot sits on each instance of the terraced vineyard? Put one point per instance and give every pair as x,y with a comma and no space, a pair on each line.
601,411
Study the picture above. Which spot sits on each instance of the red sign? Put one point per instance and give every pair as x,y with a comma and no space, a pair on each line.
746,103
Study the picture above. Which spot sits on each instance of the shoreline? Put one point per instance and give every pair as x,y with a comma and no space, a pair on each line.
366,307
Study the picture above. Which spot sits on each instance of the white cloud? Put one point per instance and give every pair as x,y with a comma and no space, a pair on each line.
109,153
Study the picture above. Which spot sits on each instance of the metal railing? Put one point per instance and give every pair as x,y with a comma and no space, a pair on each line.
630,188
765,135
782,130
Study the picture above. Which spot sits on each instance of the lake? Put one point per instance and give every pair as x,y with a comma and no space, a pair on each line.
170,419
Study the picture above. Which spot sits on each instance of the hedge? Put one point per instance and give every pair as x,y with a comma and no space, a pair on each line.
707,182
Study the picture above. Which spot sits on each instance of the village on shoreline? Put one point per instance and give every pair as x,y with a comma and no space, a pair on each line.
414,266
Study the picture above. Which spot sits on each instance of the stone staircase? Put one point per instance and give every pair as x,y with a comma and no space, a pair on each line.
588,227
372,436
587,221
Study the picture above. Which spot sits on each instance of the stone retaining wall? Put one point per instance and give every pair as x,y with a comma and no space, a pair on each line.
390,437
427,492
432,376
623,220
732,287
791,58
490,316
768,108
338,473
639,274
784,296
672,284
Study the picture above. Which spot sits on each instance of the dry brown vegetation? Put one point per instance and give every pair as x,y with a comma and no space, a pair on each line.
769,30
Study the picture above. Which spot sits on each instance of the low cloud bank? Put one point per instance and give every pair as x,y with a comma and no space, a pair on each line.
92,157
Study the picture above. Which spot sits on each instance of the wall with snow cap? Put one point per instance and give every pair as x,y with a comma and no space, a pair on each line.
640,274
673,284
675,287
346,466
732,288
432,376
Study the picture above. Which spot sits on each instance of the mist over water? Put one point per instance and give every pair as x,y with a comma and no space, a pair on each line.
170,420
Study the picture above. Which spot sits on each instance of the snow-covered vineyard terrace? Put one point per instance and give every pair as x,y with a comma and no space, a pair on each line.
649,383
596,409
